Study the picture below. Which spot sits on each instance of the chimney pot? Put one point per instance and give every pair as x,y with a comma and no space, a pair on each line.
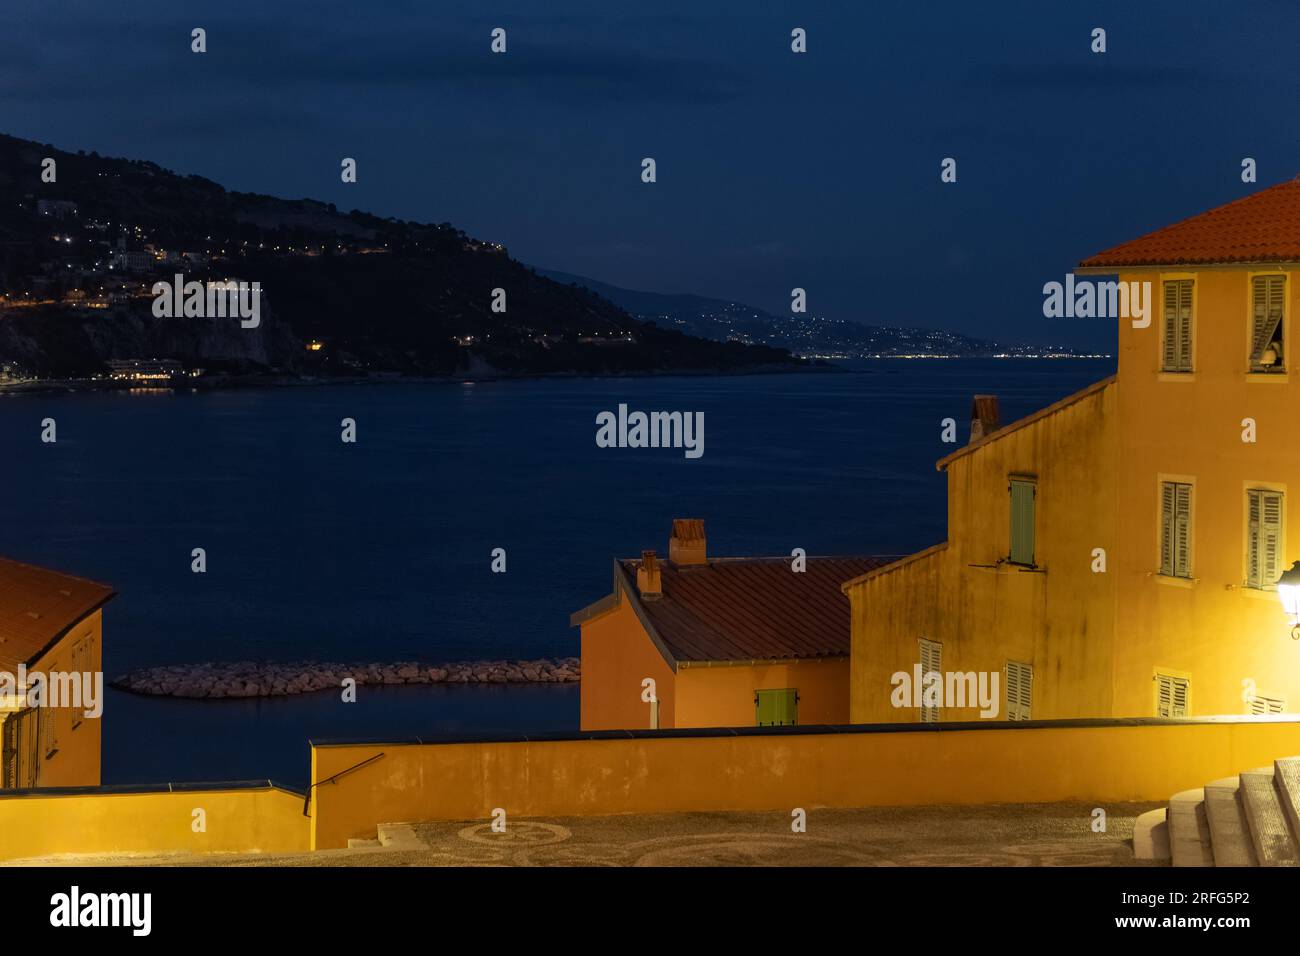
648,579
984,419
688,545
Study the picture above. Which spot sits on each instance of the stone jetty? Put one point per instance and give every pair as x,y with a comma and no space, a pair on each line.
252,679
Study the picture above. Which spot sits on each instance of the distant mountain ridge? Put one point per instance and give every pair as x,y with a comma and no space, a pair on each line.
342,293
725,320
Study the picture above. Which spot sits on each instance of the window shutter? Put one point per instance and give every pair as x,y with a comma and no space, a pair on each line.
1177,351
1022,520
1172,697
1167,528
1267,294
1270,538
776,708
1020,690
1183,530
931,663
1267,705
1263,538
1169,358
1180,698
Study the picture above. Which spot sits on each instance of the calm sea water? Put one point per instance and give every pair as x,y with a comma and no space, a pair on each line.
381,550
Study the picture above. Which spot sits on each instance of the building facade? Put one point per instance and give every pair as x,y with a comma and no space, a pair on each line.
694,641
1117,553
51,624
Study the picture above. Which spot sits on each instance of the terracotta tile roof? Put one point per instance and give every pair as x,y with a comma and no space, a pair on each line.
37,606
1261,227
739,609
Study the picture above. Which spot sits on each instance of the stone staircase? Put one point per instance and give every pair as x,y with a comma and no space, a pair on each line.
393,836
1249,820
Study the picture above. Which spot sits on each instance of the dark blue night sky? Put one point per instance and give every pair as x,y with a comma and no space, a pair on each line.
775,170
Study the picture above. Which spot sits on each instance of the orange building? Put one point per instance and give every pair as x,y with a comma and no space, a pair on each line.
50,624
1118,553
695,641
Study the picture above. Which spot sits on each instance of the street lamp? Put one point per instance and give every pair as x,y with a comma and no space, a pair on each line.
1288,591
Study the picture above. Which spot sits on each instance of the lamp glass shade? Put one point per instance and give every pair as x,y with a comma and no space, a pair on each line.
1288,591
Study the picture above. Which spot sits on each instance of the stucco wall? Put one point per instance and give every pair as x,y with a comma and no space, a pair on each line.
1189,427
723,696
616,656
267,819
714,770
1058,617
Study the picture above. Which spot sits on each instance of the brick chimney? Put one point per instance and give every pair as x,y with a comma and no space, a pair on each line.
983,416
648,580
687,545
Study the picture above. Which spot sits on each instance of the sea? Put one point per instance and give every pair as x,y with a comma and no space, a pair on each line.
381,549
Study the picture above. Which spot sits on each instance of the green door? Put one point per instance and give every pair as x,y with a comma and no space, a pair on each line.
777,708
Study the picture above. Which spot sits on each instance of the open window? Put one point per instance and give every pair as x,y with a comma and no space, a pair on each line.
1267,348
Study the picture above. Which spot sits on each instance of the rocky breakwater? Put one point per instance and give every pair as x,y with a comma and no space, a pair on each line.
250,679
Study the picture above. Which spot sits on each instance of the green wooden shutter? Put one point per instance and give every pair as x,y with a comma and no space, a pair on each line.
1172,699
1263,538
1267,294
1177,350
1022,521
1166,528
1183,531
1176,529
1254,578
931,663
1020,690
777,708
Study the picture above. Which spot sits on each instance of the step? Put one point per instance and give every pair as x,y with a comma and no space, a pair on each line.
399,836
1269,831
1151,835
1189,829
1286,777
1229,831
355,844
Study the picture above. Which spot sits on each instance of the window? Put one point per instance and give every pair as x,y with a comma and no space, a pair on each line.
49,738
1171,695
1175,529
1267,294
1263,538
80,665
1020,690
777,708
1023,493
1267,705
931,663
1177,353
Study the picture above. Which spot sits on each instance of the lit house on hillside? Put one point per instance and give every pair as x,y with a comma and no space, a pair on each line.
727,642
1117,554
49,623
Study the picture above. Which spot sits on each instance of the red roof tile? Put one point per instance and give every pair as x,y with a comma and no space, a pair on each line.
1261,227
739,609
37,606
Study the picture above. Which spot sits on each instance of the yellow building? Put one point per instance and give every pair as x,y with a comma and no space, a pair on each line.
1116,554
695,641
50,638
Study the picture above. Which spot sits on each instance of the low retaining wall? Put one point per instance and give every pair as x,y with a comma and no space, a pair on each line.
244,817
780,768
250,679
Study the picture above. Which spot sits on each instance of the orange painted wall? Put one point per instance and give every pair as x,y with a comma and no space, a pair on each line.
664,774
1211,627
616,656
724,696
77,762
